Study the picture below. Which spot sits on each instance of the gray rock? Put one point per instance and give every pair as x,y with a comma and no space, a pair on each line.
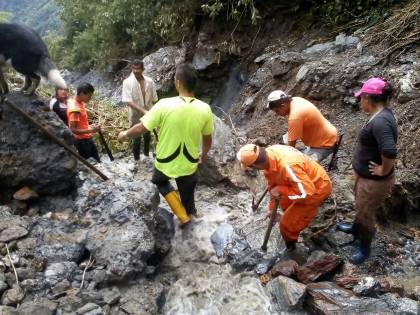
3,286
90,309
407,91
12,296
203,57
400,305
23,147
260,77
35,308
226,241
111,296
340,238
161,65
245,260
7,310
287,291
366,286
56,272
12,233
132,307
220,163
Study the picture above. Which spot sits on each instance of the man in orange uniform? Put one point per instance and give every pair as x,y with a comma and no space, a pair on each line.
79,123
298,181
306,123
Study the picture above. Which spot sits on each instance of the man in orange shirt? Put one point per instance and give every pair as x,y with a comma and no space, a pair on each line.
300,184
306,123
79,123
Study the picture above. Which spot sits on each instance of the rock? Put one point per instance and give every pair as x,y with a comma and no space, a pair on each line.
204,56
12,233
389,285
315,255
265,265
286,268
366,286
164,231
260,77
400,305
90,309
35,308
245,260
341,43
3,286
111,296
407,91
220,162
161,66
18,207
22,150
61,287
56,272
315,270
226,242
328,298
348,277
132,307
12,296
340,238
25,193
7,310
287,291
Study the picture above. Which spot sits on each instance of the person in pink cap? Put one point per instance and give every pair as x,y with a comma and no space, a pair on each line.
373,163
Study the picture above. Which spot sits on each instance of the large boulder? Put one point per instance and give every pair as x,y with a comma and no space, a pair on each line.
220,163
27,156
161,65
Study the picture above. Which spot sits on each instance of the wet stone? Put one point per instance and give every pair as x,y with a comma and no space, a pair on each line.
287,291
226,241
286,268
315,270
265,265
246,260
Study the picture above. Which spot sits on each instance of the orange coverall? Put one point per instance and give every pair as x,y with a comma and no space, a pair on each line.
298,179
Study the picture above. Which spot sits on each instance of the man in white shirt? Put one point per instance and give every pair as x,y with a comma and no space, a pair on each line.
139,92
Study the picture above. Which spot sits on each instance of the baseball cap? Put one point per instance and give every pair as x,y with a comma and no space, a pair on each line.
276,95
247,155
373,86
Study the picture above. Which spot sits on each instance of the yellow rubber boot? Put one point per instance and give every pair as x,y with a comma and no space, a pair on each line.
177,207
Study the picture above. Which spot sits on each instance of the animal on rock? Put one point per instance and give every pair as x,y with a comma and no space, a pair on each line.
25,51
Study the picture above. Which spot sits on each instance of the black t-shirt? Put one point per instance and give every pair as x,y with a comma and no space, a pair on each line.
378,137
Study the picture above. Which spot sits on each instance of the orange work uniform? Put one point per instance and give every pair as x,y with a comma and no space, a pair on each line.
307,123
76,112
299,179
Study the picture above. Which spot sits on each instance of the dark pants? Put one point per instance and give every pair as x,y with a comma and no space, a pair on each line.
186,187
87,148
137,144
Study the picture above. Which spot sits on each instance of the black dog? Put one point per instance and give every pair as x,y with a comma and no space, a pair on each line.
28,54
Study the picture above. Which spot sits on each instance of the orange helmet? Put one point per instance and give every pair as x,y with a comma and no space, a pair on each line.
247,155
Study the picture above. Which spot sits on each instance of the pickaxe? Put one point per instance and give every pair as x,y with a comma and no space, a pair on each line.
255,205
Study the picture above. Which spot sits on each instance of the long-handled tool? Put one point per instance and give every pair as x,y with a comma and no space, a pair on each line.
255,205
333,160
273,216
105,145
53,137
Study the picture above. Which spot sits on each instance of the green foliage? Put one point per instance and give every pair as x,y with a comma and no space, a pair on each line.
5,16
234,9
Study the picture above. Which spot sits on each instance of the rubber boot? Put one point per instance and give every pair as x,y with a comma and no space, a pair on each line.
346,228
363,251
177,208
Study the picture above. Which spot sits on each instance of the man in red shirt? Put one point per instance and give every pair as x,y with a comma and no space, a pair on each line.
79,123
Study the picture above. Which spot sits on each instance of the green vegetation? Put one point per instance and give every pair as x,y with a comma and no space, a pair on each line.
98,32
41,15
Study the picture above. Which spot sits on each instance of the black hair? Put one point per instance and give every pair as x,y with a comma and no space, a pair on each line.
384,97
187,75
57,88
262,156
85,88
277,103
137,62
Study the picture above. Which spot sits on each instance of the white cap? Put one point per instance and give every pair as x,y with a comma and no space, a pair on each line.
276,95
